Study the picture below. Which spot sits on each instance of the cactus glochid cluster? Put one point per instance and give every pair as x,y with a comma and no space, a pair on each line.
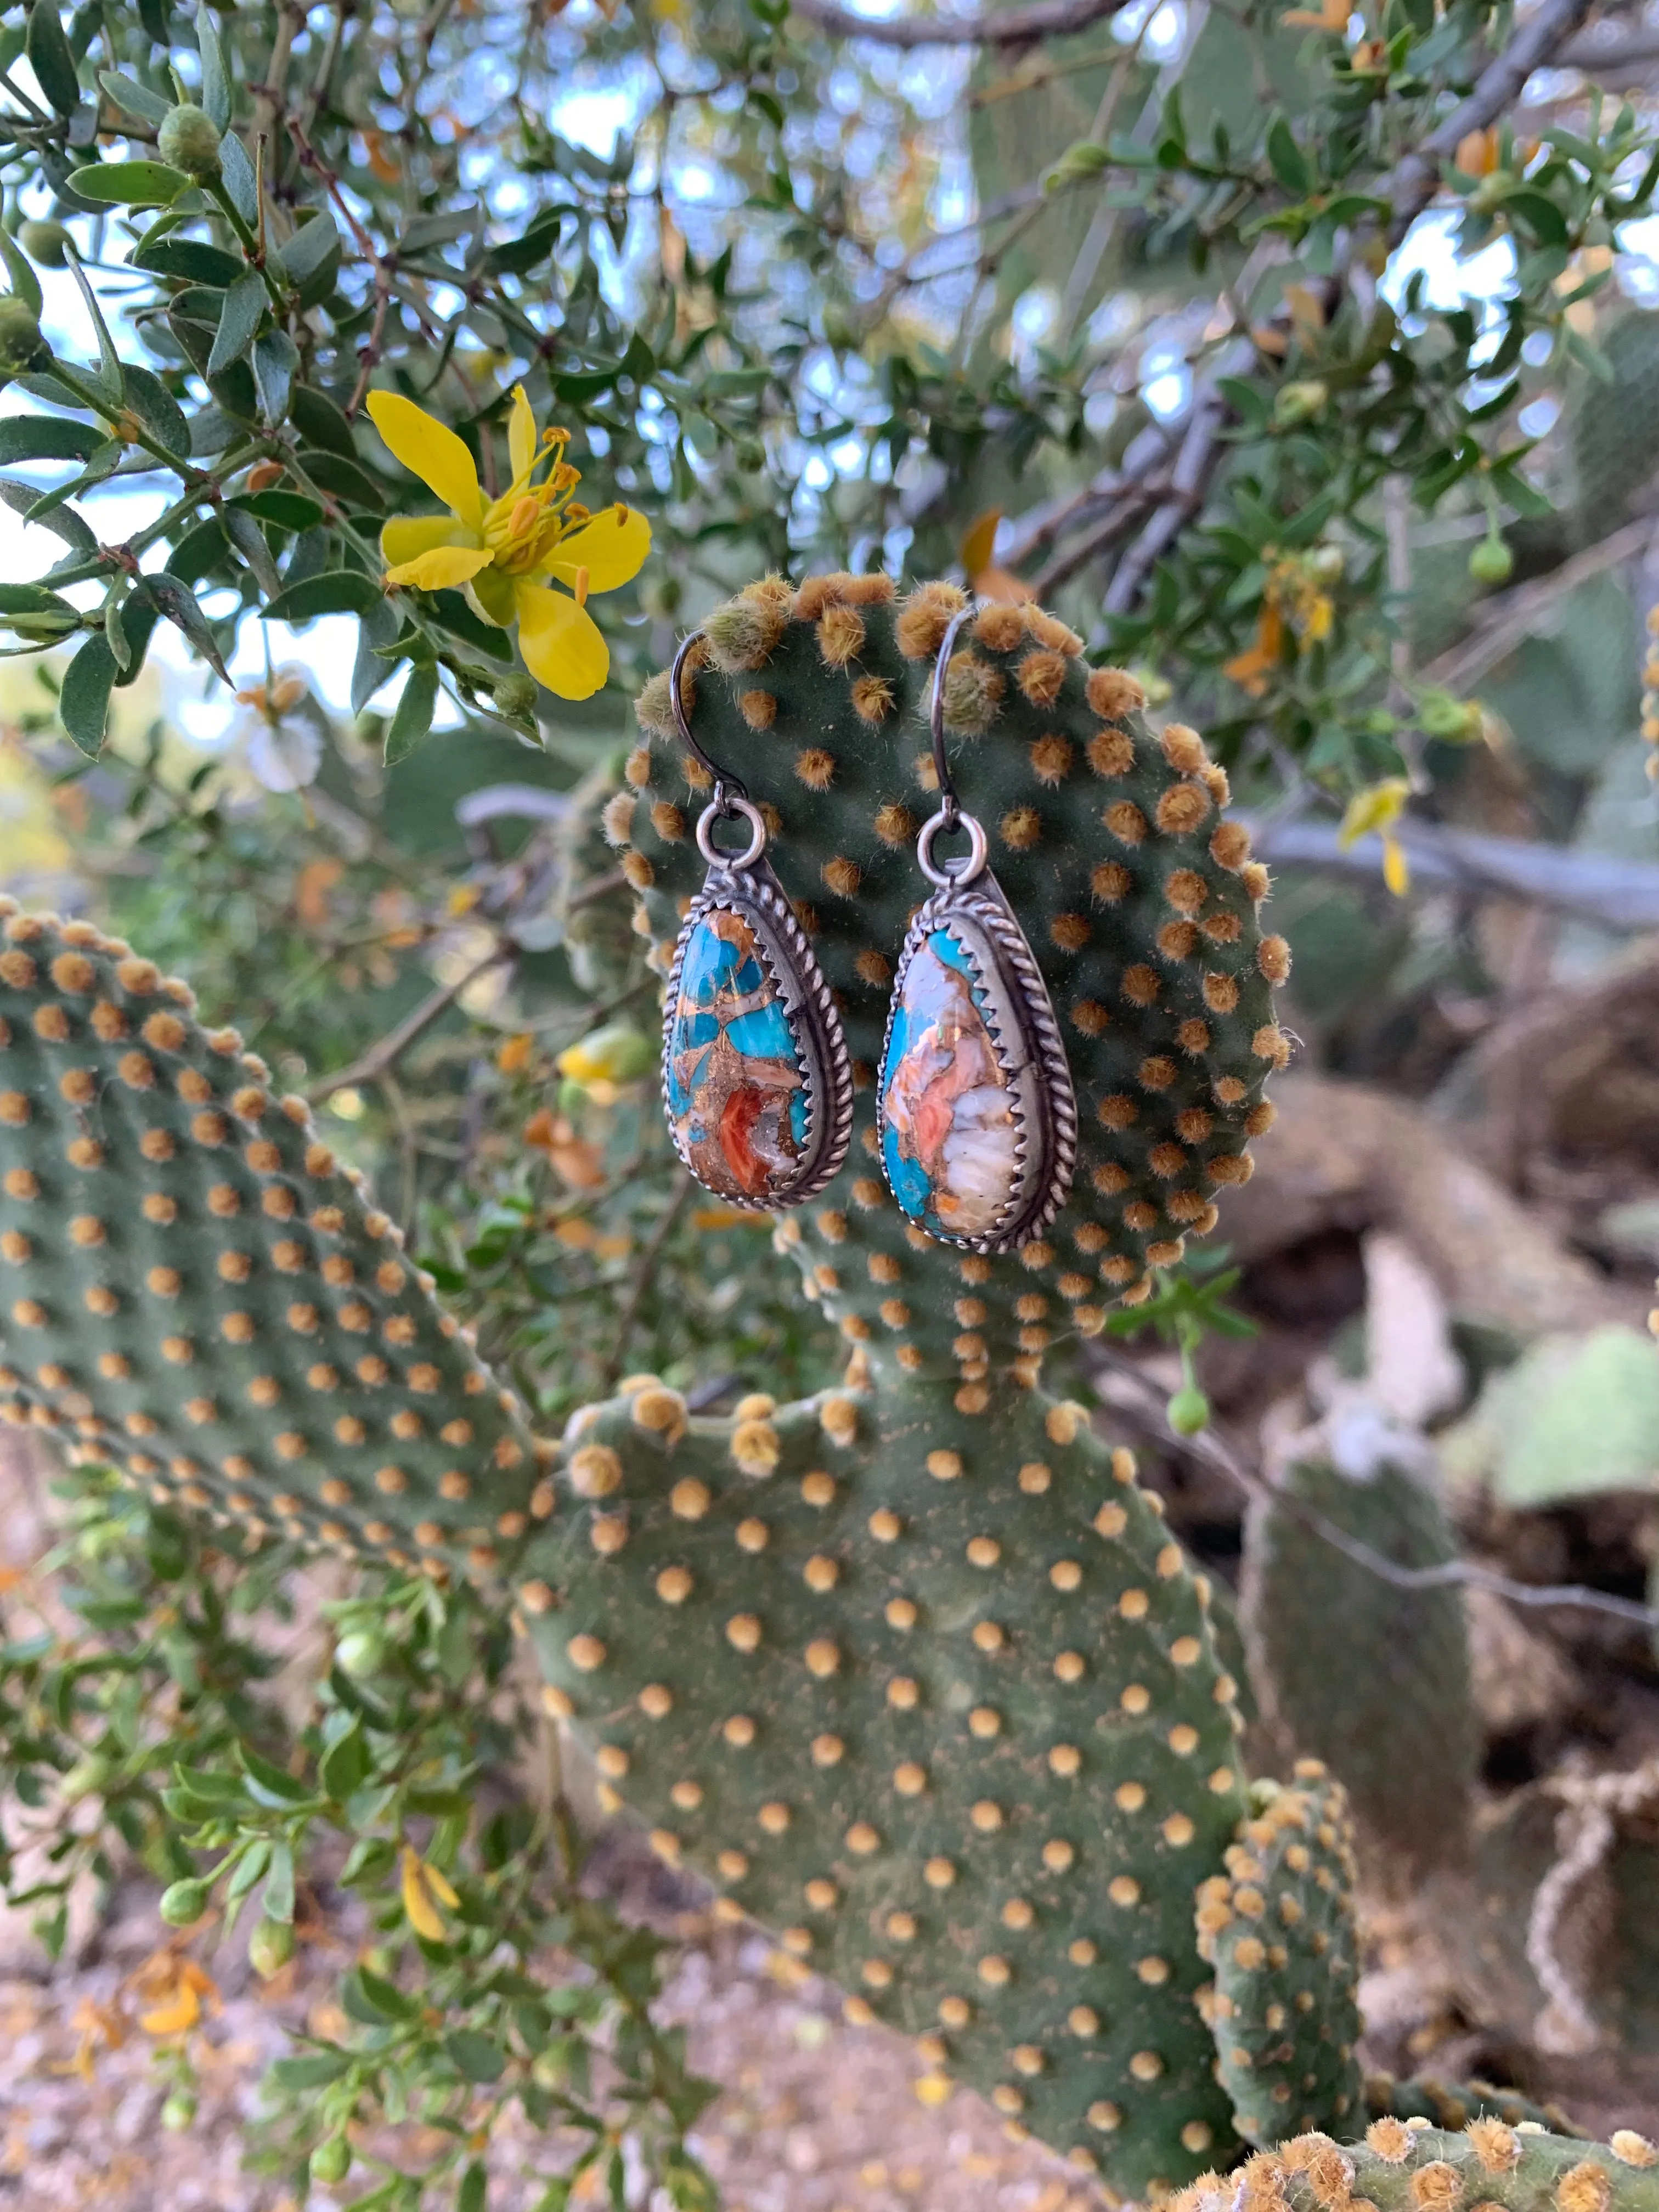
912,1671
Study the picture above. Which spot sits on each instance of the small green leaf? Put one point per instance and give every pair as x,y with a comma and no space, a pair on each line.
33,599
271,1786
178,603
83,702
249,1867
135,98
63,522
321,422
474,2056
245,535
345,1765
275,357
378,630
109,377
412,721
314,2069
46,438
470,2196
158,410
278,1900
289,510
309,247
193,259
243,308
239,177
215,85
332,472
130,184
116,635
1289,163
336,591
46,44
24,281
385,1997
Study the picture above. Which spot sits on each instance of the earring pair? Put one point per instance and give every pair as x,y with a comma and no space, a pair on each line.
976,1117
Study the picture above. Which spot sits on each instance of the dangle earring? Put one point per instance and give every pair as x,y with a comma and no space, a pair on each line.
756,1083
976,1110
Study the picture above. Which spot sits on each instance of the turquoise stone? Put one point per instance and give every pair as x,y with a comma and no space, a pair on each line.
950,1135
735,1083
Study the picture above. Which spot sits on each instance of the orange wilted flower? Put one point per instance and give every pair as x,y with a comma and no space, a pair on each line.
175,1989
95,2025
1251,668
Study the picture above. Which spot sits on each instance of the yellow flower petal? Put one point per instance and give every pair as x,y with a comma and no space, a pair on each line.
561,642
440,569
612,551
429,450
422,1915
438,1884
521,434
407,536
1396,870
1373,809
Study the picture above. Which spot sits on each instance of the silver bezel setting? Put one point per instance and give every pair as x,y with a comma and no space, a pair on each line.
1015,997
793,966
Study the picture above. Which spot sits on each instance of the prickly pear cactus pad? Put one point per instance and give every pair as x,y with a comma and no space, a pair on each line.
1278,1928
1139,897
1404,2165
935,1699
191,1284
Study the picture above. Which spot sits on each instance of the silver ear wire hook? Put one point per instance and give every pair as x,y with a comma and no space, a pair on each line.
947,791
727,788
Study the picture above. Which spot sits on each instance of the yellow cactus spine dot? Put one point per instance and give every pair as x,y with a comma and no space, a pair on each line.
1633,2149
944,1466
743,1632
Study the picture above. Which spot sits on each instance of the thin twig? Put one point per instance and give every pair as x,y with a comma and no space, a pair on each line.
644,1275
374,1063
1451,1575
1014,26
1510,618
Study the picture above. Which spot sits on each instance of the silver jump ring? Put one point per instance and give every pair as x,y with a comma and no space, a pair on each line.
751,814
954,872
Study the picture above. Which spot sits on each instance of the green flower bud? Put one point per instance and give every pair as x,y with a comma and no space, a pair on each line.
516,696
1300,402
43,242
615,1054
22,345
1188,1411
1491,560
270,1948
360,1652
87,1777
189,140
182,1903
331,2160
178,2111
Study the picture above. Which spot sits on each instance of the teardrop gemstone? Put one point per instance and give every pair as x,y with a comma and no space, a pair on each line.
744,1078
975,1107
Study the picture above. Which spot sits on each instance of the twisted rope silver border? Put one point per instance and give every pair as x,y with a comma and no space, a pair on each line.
985,902
758,889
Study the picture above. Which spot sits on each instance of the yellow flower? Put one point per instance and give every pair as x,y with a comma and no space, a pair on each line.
421,1882
1373,811
504,551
